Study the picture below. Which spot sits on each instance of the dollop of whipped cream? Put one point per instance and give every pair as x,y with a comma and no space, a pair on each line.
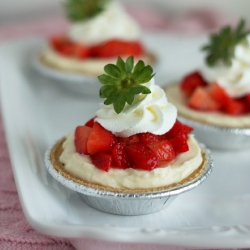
149,113
112,22
234,78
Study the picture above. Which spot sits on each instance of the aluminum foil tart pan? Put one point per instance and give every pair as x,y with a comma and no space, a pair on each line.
129,202
222,138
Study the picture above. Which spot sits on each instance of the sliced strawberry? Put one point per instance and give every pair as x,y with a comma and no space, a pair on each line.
147,138
81,136
129,140
201,100
120,157
80,51
115,47
142,157
247,100
163,149
191,82
102,161
179,143
90,122
177,129
66,49
58,41
236,107
100,140
218,94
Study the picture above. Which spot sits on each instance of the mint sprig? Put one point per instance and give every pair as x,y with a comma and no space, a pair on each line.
222,45
123,81
79,10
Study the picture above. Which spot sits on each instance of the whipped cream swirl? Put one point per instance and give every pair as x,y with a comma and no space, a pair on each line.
149,113
113,22
235,78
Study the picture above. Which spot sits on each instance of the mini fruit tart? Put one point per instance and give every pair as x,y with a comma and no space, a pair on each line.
134,150
215,100
100,30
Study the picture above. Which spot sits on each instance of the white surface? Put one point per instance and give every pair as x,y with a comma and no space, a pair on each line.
37,112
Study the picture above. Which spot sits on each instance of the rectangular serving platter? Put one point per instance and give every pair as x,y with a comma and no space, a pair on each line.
38,110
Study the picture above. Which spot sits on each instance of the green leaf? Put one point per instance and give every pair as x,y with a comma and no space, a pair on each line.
110,100
129,97
112,70
222,44
79,10
119,103
139,66
129,64
107,91
105,79
123,81
120,63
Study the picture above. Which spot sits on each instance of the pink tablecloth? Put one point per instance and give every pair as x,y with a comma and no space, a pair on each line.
15,232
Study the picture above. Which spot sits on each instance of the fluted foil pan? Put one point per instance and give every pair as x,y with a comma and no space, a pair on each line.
130,203
216,137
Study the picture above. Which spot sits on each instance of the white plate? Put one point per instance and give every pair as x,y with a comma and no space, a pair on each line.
37,112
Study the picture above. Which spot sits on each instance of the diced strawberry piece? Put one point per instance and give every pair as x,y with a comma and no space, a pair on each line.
177,129
236,107
142,157
147,138
163,149
66,49
201,100
80,51
90,122
120,157
129,140
179,143
81,137
218,94
115,47
191,82
247,100
57,41
102,161
100,140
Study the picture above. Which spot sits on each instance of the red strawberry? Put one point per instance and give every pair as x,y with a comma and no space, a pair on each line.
100,140
90,122
147,138
178,129
129,140
120,156
142,157
102,161
247,100
58,41
81,136
179,143
66,49
191,82
218,94
236,107
115,47
163,149
80,51
201,100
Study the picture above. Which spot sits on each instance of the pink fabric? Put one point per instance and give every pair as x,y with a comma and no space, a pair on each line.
15,232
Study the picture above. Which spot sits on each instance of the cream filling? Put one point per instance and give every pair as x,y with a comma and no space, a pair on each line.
92,66
213,118
81,166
